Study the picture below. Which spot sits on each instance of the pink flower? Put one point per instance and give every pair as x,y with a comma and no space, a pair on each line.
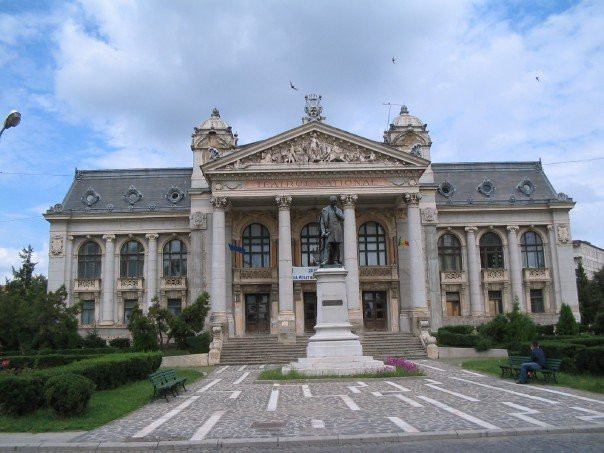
5,363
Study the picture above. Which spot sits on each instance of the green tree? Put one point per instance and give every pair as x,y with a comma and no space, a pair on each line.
520,326
31,317
142,328
590,295
191,321
567,324
162,319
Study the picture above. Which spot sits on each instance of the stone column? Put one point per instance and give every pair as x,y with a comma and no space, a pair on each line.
476,305
286,317
515,266
557,300
108,281
198,222
151,268
68,270
416,253
351,261
218,288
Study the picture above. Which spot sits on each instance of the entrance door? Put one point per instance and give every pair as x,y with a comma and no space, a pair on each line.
310,311
257,313
374,310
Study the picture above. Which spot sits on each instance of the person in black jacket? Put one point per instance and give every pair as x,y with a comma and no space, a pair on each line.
537,362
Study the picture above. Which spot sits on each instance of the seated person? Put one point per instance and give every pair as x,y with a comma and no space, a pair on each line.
537,362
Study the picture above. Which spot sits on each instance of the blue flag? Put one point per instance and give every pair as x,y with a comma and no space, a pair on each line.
236,248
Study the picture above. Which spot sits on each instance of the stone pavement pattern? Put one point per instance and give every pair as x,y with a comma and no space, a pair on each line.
229,403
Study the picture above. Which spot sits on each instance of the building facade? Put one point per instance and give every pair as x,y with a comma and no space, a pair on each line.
590,256
449,243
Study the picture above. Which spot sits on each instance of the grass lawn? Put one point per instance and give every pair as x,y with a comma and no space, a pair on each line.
587,382
274,374
104,406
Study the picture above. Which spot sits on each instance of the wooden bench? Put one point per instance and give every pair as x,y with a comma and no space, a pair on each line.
512,369
165,381
515,362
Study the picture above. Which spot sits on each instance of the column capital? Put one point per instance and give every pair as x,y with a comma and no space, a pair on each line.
471,229
219,202
109,237
70,237
512,228
349,200
152,236
283,202
412,198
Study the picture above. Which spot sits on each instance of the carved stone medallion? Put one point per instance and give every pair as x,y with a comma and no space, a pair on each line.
56,245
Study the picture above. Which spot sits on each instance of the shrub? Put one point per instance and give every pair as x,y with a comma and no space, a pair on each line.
567,324
199,343
547,329
68,394
599,324
589,341
590,360
93,340
120,343
142,328
463,329
521,327
483,344
181,332
20,395
496,329
456,339
20,362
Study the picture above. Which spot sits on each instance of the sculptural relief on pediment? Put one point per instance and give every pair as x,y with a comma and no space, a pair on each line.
313,148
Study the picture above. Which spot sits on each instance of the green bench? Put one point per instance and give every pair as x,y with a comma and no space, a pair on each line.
165,381
512,368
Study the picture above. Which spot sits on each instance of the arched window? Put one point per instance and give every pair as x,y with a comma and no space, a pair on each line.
532,250
491,251
449,253
175,259
89,261
256,241
309,243
132,259
372,245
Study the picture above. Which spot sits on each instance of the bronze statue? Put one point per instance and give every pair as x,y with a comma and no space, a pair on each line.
331,235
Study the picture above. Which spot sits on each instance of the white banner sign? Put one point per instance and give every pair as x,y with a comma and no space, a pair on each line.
303,273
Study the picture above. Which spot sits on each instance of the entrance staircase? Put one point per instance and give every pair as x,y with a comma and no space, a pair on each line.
265,349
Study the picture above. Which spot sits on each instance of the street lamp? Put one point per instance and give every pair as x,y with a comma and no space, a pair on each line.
13,119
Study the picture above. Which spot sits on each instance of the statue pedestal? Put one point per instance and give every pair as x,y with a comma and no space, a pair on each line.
334,349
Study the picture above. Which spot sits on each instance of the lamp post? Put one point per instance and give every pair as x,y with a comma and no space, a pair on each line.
13,119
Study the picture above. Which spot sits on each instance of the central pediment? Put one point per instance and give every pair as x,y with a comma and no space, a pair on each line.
312,148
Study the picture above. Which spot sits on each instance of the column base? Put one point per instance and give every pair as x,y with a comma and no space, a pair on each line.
355,316
409,319
286,327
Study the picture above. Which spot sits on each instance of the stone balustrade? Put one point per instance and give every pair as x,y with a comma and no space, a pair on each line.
537,274
452,277
87,285
495,275
256,274
130,284
178,283
378,272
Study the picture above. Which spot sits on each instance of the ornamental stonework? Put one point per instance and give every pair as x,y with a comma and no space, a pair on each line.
314,148
56,245
563,235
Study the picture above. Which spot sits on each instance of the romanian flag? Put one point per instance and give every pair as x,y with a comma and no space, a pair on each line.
236,248
402,243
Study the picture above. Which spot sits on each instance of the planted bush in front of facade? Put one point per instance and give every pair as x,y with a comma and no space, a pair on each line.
459,340
461,329
20,395
68,394
590,360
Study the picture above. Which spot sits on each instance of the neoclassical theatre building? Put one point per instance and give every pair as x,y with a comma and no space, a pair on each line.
447,243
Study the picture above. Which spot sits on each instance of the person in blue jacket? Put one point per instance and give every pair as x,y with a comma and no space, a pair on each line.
537,362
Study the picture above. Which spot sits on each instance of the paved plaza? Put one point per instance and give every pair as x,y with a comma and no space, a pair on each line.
230,404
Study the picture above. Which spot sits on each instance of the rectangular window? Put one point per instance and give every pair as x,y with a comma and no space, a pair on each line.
537,301
87,316
495,302
175,306
453,304
129,305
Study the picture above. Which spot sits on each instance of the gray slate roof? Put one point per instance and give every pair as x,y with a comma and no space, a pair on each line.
465,178
146,190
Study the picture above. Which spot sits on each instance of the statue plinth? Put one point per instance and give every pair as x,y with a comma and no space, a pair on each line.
334,349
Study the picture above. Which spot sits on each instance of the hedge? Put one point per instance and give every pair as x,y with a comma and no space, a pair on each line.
459,329
456,339
199,344
81,351
68,394
589,342
554,350
23,393
547,329
19,362
591,360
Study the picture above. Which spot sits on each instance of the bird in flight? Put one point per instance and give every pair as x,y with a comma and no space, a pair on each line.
393,60
537,77
292,86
